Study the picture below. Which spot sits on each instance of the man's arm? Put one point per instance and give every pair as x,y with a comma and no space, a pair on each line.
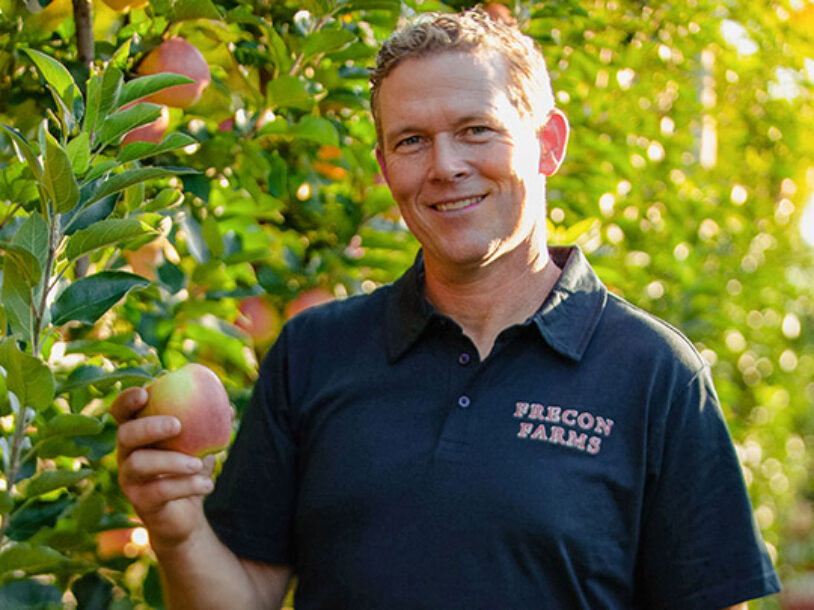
166,488
206,574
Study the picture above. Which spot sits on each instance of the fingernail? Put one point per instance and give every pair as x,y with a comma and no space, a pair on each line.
194,465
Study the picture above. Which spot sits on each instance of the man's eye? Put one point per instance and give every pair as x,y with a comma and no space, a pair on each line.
477,130
409,141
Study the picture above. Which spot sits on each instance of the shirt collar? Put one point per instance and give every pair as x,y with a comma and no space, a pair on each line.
566,320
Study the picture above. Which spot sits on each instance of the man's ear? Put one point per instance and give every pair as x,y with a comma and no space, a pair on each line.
553,142
382,166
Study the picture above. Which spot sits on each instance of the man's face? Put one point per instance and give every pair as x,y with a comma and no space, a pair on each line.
465,167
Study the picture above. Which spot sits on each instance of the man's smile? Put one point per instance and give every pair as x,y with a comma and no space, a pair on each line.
458,204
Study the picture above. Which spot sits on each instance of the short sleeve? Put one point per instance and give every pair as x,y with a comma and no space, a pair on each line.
700,545
252,507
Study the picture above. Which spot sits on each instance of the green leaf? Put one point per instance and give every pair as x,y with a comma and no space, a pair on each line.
393,6
99,170
108,349
122,121
78,151
139,150
26,376
88,298
317,129
143,86
33,236
3,325
194,9
112,81
119,57
29,558
194,237
55,74
65,113
6,502
212,237
28,266
30,595
16,184
92,591
288,92
103,234
326,41
72,424
17,295
94,99
91,375
49,480
25,151
59,178
133,176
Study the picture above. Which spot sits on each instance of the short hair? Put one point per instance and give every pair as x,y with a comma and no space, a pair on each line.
528,87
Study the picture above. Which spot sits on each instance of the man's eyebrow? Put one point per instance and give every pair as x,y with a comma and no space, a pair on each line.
475,117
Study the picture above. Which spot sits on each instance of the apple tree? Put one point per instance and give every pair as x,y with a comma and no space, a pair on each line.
127,253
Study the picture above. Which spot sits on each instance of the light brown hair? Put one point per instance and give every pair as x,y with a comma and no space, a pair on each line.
472,31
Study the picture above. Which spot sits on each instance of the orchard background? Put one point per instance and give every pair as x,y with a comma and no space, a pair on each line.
686,180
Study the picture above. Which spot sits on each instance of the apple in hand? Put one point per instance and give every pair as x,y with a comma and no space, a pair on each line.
196,396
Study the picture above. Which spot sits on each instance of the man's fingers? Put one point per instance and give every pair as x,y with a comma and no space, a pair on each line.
139,433
151,496
147,464
128,403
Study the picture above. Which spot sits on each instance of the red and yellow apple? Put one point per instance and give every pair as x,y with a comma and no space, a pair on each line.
144,261
500,12
196,396
306,300
259,319
152,132
178,56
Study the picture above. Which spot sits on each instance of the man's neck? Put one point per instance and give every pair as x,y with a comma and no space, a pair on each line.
487,301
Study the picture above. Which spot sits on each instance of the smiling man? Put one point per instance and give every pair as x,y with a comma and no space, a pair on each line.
494,429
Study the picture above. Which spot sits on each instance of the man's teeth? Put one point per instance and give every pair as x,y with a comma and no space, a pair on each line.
457,205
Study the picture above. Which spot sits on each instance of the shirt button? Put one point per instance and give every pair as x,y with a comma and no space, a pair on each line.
464,358
463,401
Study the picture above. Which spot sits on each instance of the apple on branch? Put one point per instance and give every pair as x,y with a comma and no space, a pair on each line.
306,300
259,319
196,396
180,57
152,132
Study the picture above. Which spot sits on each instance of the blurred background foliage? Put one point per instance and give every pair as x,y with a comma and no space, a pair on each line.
687,178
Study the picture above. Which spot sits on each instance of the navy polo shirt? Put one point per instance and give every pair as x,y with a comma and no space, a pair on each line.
584,463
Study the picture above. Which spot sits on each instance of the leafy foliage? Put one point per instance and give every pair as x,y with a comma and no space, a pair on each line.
686,178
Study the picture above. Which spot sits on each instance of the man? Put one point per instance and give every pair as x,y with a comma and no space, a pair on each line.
492,430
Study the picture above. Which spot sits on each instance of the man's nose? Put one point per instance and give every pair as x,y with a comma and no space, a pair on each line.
448,160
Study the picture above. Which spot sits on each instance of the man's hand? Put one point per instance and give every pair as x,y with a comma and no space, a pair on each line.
165,487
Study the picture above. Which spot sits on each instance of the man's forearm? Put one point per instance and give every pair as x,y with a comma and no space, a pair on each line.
203,573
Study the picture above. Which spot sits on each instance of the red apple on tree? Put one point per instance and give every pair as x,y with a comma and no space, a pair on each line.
309,298
178,56
196,396
152,132
500,12
259,319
